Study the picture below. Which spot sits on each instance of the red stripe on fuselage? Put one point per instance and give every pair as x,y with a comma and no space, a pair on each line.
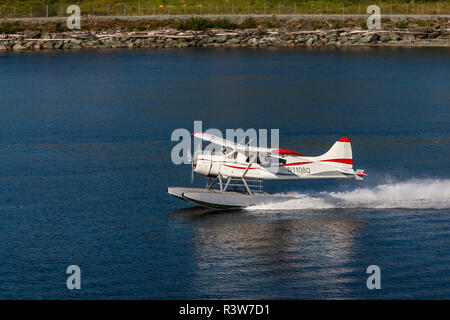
238,167
346,161
294,164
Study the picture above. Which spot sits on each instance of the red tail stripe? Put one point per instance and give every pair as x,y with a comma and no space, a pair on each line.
346,161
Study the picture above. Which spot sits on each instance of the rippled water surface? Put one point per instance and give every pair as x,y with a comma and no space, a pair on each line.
85,164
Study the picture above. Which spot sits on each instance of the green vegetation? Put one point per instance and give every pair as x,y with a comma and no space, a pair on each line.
421,23
25,8
201,24
225,24
248,23
401,25
195,24
198,24
337,25
273,23
10,27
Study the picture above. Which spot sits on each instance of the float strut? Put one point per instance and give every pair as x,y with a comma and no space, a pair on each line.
226,185
220,182
246,185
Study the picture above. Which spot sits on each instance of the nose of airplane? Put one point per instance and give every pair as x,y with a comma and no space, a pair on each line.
194,161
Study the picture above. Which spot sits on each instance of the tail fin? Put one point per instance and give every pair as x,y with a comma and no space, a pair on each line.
340,154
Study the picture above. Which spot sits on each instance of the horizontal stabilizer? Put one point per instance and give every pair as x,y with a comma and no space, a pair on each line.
359,175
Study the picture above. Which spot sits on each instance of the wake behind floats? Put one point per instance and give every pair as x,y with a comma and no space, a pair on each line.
235,175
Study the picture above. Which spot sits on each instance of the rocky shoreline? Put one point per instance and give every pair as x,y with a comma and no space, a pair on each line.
32,40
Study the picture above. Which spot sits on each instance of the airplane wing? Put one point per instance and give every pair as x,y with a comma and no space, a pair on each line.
240,147
229,144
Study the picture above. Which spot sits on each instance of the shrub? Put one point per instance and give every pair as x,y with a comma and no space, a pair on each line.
318,26
273,23
10,27
195,24
248,23
420,23
402,25
337,25
60,27
224,24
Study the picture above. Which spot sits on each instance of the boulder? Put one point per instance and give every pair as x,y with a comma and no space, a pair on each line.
385,37
221,39
58,45
395,37
19,46
29,44
91,44
31,34
48,45
366,39
253,42
421,36
233,41
310,42
434,35
333,37
369,38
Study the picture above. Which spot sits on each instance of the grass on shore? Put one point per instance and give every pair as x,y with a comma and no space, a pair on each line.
38,8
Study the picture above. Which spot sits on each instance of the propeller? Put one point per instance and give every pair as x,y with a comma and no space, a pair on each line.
193,160
192,176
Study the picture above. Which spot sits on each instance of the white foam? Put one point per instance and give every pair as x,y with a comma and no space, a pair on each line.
412,194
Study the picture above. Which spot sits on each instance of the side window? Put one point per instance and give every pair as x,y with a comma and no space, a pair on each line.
282,161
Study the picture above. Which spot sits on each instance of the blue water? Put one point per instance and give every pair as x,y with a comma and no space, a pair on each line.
85,164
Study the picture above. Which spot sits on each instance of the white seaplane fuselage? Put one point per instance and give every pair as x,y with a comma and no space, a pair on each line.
213,165
283,164
250,163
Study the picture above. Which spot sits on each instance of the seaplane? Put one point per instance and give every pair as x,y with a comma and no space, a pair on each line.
235,174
